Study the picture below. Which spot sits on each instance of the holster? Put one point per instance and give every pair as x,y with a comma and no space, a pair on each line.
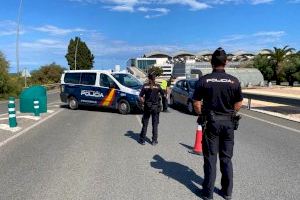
236,120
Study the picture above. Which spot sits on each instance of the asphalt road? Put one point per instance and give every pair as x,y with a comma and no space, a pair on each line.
92,154
52,96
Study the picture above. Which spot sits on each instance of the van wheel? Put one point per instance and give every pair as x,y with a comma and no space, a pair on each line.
123,107
73,103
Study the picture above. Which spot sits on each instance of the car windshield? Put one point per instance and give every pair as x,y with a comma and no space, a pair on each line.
193,83
128,80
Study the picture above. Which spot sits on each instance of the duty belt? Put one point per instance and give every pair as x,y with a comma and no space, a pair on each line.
222,117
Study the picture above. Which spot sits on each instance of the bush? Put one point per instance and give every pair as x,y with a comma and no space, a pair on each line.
47,74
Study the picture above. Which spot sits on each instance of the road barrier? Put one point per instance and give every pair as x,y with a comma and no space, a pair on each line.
36,106
291,101
12,112
198,141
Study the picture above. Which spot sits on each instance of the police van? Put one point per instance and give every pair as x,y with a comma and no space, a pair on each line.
101,88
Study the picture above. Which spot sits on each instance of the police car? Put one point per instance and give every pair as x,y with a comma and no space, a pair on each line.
100,88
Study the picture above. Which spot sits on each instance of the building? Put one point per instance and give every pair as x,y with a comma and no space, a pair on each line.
182,63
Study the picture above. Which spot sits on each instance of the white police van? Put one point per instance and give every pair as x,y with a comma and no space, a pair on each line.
101,88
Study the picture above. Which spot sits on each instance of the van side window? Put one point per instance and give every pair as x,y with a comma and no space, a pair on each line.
106,81
88,78
72,78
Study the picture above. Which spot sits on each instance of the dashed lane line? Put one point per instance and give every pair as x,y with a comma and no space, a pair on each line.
27,129
272,123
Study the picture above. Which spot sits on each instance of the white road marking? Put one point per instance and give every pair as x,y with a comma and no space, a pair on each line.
7,128
139,120
27,129
53,103
4,114
268,122
30,117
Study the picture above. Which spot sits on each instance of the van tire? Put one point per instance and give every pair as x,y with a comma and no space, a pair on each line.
123,107
73,103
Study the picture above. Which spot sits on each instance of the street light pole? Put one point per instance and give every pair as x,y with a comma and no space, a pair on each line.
18,32
76,52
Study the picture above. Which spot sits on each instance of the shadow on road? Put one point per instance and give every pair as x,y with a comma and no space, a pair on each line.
187,146
178,172
181,173
135,136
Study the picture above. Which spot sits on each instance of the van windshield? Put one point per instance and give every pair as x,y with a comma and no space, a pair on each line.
128,80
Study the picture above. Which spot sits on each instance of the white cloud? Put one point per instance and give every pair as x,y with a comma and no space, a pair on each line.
255,2
44,45
254,41
53,30
8,27
138,5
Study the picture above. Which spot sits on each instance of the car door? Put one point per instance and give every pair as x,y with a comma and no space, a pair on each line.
184,93
71,86
176,91
109,91
90,94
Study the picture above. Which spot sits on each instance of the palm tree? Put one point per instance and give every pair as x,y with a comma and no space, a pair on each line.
278,56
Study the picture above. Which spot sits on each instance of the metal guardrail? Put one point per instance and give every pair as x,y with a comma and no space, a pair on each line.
291,101
52,86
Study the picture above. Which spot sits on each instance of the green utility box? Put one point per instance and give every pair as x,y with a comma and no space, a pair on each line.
31,94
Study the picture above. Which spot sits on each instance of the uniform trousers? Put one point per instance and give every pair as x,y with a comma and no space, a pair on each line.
218,138
145,120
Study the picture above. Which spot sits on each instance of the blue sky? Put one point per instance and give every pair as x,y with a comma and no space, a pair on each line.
116,30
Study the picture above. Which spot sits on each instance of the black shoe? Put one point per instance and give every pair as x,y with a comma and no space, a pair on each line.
154,143
142,142
203,196
227,197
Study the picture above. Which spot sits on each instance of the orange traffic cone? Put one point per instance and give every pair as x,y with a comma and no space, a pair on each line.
198,142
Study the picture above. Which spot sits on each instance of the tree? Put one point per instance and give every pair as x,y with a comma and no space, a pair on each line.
292,69
157,71
277,57
47,74
264,65
9,85
4,77
84,57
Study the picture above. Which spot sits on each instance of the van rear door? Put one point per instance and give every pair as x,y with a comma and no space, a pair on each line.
89,93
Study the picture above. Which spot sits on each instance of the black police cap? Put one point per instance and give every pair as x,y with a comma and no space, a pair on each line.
219,57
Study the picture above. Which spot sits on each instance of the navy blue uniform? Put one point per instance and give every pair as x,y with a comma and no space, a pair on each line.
219,92
152,108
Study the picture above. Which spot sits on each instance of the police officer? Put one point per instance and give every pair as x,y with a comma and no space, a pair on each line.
164,85
221,98
150,96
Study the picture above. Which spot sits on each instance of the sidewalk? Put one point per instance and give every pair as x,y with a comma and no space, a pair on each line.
279,110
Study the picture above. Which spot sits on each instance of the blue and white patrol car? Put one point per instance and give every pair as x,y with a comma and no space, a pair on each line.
101,88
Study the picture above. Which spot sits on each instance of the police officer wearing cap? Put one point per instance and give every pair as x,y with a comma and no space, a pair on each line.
150,96
217,98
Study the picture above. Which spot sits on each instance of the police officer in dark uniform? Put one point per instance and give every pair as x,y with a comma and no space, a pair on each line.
150,96
221,98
